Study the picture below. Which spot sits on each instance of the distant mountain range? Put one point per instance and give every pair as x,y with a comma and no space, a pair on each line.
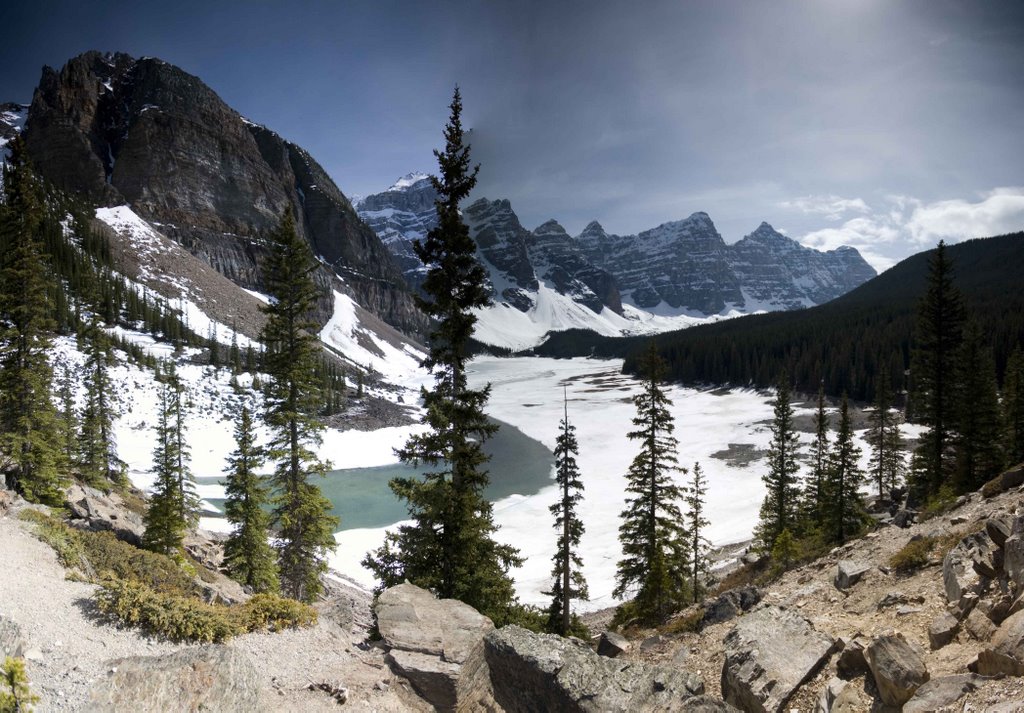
672,275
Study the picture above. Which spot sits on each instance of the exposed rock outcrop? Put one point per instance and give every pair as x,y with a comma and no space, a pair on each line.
768,655
214,678
94,510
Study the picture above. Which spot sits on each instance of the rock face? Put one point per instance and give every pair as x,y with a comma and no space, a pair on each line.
897,668
140,131
542,672
215,678
682,265
436,644
768,655
91,509
961,565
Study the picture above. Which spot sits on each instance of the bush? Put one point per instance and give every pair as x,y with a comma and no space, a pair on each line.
913,555
171,616
942,502
689,621
270,611
64,541
15,695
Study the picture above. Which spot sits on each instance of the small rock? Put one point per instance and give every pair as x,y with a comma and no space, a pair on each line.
942,630
957,520
651,642
904,518
848,573
999,529
11,643
851,662
978,625
907,611
612,644
897,668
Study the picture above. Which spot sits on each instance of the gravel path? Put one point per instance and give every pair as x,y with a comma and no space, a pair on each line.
68,650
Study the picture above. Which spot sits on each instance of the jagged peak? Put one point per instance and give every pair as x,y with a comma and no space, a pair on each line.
408,180
548,227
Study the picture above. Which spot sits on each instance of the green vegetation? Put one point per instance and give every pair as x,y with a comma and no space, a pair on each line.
844,515
450,547
15,694
779,510
919,551
887,460
696,524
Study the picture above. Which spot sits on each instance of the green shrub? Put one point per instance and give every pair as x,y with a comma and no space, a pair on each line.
65,541
171,616
273,612
689,621
110,556
942,502
913,555
15,695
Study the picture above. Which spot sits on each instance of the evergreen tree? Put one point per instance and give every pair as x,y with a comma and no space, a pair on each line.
814,492
248,556
173,505
15,694
654,563
883,436
845,514
937,340
29,432
697,525
978,437
449,548
779,509
569,582
305,526
68,418
98,462
1013,408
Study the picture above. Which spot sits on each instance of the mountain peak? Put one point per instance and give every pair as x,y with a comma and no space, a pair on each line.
408,180
550,226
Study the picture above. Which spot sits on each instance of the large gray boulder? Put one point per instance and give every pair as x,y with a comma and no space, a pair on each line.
1005,652
897,668
942,691
206,678
768,655
437,644
94,510
848,573
960,576
942,630
728,605
11,643
531,673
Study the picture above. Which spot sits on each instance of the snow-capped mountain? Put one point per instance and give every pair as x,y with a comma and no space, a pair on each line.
677,274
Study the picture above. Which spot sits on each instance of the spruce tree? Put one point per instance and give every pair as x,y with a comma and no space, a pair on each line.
814,491
697,525
883,436
173,505
779,511
937,340
845,513
248,556
978,438
450,548
1013,408
305,527
29,431
68,417
98,462
654,565
568,581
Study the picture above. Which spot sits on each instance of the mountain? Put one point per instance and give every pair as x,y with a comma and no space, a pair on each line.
140,132
677,274
842,343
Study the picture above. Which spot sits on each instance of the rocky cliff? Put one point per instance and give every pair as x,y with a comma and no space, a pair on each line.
120,130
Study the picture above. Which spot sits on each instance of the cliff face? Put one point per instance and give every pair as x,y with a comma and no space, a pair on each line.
143,132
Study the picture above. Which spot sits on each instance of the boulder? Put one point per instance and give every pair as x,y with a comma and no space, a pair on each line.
728,605
838,696
942,691
851,662
768,655
897,668
94,510
978,625
904,518
848,573
543,672
1013,560
612,644
942,630
1005,652
999,528
437,644
1011,478
215,678
959,574
11,643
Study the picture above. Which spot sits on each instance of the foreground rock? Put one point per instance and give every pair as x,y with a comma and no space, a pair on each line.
1005,654
437,644
214,678
768,655
897,668
940,692
542,672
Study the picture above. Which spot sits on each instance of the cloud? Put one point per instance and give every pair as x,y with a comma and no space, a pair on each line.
831,207
867,234
1001,211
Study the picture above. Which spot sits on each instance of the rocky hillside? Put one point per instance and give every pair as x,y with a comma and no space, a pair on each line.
120,130
681,267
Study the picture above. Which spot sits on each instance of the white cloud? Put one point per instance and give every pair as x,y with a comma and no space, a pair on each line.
831,207
1001,211
866,234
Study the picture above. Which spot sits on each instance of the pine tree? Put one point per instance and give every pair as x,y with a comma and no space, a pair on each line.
98,462
814,492
449,548
697,525
568,581
654,565
779,509
978,437
1013,408
301,513
248,556
29,432
886,464
68,417
845,514
174,505
937,340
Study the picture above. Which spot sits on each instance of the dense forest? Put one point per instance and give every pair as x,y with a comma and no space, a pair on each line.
845,343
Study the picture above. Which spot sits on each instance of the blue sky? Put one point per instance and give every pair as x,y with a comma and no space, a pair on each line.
884,125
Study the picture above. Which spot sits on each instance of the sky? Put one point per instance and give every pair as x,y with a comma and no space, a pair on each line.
883,125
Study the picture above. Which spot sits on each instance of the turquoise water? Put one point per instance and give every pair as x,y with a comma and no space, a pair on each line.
361,497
